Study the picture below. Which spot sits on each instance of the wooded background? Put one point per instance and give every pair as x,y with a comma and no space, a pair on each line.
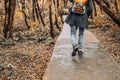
39,10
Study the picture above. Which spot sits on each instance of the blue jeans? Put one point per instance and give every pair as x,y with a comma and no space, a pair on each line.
76,44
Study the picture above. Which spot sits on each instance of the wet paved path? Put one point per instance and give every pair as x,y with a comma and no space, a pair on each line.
96,63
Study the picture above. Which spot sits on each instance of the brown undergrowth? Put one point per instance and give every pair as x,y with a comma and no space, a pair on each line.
108,33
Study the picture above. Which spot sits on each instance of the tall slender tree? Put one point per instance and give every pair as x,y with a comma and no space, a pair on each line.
9,17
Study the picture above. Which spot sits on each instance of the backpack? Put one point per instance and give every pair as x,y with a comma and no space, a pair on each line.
79,7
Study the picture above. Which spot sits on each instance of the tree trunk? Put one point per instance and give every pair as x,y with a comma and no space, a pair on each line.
116,6
25,15
50,19
40,13
9,17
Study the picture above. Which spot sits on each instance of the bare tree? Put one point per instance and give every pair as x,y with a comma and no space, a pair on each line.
24,13
50,19
9,17
115,17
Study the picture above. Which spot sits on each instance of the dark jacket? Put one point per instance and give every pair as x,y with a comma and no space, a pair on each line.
80,20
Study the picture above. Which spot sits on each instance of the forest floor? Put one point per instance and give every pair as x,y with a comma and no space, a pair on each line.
26,55
24,61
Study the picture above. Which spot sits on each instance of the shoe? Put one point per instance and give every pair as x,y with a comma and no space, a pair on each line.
80,53
74,52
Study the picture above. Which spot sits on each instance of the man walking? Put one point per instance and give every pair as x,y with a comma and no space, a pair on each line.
78,21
